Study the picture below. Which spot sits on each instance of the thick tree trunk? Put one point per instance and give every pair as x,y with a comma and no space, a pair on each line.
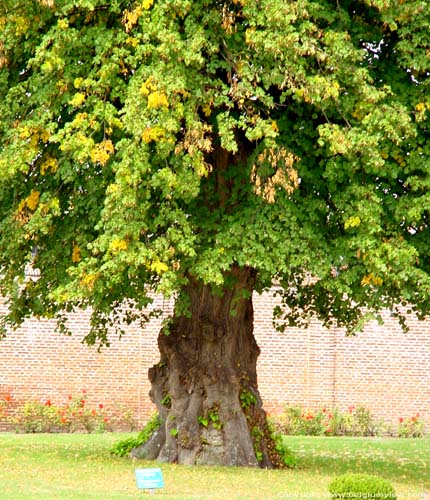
205,385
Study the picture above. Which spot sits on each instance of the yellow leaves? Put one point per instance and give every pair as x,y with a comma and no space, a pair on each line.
420,107
371,279
22,25
76,253
79,119
157,99
49,164
63,24
131,17
184,93
34,134
44,136
134,42
78,100
158,267
250,36
353,221
147,4
319,88
148,86
32,200
117,245
274,126
29,203
77,82
89,280
153,134
102,152
207,110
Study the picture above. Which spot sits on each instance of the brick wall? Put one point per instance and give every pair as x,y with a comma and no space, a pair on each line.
382,368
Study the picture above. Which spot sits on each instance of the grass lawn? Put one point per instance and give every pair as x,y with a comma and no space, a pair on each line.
72,466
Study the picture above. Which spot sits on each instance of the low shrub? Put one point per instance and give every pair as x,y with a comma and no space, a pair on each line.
77,414
411,427
74,416
124,447
361,486
356,421
295,421
288,458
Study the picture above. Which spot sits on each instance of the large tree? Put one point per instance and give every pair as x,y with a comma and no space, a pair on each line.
205,149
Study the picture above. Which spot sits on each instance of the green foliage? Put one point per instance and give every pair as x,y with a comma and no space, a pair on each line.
287,456
166,401
361,486
124,447
211,417
144,142
247,399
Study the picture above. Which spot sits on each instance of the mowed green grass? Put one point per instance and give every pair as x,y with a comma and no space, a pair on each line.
72,466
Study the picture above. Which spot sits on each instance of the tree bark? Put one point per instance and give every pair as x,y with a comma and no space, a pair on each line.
205,385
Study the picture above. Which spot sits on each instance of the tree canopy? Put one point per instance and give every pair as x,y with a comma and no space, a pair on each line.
144,142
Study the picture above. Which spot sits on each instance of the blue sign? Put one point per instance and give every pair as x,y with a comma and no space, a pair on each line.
149,479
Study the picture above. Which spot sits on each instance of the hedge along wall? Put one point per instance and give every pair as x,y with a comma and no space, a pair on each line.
382,368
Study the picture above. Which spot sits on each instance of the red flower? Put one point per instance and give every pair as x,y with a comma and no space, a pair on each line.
82,402
351,408
84,391
101,406
8,398
64,420
401,419
414,419
330,416
324,410
105,420
70,397
93,413
48,402
329,430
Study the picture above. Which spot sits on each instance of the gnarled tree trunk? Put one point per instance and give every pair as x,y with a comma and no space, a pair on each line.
205,385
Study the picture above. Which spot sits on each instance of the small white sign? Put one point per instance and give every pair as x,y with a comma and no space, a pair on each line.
149,479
